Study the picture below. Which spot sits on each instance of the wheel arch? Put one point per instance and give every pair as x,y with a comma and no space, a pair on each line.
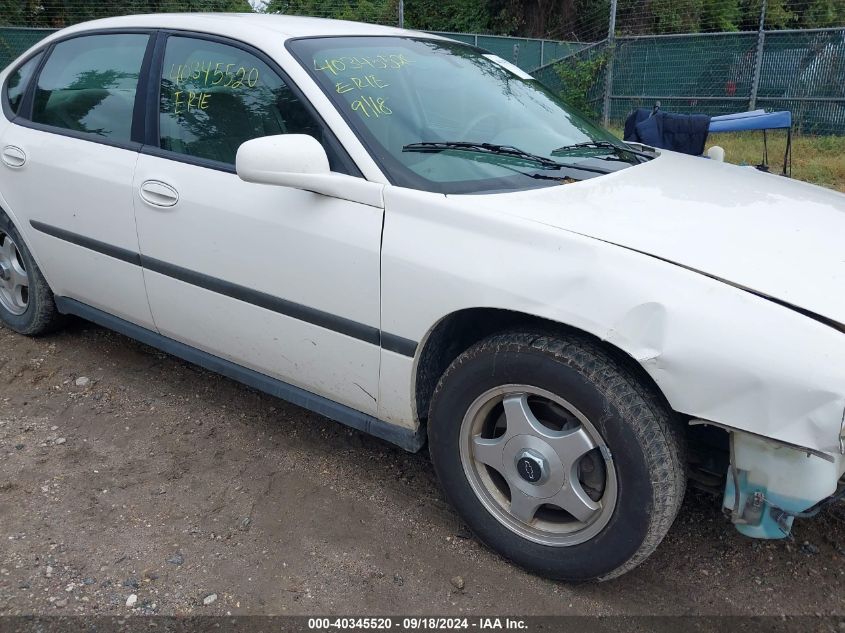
459,330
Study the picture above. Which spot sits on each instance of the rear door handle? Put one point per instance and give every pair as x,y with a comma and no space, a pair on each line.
13,157
159,194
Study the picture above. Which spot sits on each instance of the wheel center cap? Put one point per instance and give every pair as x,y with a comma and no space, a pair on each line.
531,467
5,271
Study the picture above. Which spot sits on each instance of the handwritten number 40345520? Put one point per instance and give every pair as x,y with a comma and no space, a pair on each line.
215,74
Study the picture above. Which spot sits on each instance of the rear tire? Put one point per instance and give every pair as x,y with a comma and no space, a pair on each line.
26,302
556,455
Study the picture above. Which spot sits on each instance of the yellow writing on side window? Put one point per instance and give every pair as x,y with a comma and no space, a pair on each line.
207,74
228,75
184,102
379,62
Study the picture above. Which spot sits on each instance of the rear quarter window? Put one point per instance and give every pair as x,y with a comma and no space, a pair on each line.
19,81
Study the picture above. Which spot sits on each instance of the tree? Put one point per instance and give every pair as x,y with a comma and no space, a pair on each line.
720,15
378,11
61,13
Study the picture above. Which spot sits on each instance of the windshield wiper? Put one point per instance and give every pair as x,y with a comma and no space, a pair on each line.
496,150
560,151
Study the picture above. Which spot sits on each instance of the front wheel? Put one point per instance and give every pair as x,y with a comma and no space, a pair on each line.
556,455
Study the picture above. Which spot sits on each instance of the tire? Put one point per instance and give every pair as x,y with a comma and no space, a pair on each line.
31,311
576,430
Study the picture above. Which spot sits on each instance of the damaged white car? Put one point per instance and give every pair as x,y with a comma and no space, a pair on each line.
413,237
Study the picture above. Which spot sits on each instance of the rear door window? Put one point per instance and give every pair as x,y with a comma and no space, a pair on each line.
89,83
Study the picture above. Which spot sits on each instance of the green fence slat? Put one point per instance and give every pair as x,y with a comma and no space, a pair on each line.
14,41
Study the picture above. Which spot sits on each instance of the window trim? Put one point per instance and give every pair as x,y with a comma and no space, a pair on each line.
152,136
24,117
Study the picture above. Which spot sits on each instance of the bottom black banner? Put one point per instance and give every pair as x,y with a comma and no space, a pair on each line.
407,624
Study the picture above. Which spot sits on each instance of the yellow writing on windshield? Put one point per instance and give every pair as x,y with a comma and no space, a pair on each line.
371,107
360,83
363,77
379,62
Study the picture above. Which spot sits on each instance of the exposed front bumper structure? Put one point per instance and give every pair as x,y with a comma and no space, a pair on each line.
770,483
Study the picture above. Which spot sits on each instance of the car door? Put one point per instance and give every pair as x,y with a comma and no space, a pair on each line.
281,281
68,159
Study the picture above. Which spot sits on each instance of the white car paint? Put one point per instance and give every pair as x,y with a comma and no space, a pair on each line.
717,352
306,248
675,262
89,194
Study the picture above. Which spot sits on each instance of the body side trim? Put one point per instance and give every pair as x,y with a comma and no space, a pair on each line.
411,441
297,311
399,345
326,320
86,242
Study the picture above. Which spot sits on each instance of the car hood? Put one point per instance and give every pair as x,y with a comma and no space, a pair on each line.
774,236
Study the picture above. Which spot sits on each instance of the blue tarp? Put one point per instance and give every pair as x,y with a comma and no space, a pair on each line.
755,120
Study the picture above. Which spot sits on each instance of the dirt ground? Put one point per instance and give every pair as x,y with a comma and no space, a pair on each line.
125,472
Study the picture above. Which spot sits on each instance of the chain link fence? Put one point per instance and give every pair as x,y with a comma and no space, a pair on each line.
716,72
605,56
14,41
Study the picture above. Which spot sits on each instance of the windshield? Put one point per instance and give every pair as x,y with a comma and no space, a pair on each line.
446,117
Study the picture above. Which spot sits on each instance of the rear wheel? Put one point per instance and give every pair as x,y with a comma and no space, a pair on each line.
26,303
556,455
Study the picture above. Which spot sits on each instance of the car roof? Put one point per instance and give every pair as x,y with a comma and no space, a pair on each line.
245,26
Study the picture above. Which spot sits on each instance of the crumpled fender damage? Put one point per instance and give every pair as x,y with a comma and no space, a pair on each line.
761,370
720,353
717,352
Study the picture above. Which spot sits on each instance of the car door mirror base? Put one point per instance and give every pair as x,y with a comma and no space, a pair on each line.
300,162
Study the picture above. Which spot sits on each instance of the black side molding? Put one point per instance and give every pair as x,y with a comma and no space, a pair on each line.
297,311
397,344
86,242
407,439
306,314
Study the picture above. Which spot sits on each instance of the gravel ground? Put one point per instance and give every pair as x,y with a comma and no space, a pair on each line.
131,482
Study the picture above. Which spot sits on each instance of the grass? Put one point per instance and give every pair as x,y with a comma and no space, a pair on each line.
816,159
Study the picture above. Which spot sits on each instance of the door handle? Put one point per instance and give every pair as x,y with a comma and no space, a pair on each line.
13,157
159,194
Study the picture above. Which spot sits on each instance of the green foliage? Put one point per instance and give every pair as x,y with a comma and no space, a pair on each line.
379,11
676,16
462,16
579,78
823,14
60,13
720,15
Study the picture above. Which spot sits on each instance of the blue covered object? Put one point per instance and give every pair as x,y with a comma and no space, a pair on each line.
754,120
686,133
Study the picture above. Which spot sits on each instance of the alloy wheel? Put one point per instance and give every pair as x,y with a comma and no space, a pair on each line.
538,465
14,280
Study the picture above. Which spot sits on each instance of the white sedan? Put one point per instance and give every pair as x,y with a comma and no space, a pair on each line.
415,238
